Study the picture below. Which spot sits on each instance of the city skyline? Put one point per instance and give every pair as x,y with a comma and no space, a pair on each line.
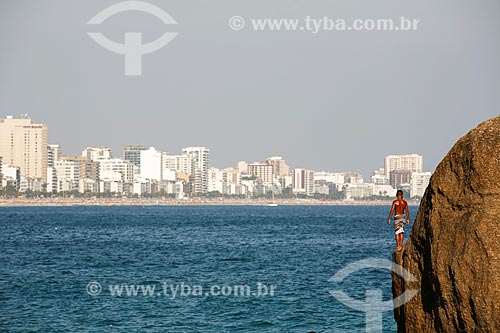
29,163
349,97
109,152
123,147
220,161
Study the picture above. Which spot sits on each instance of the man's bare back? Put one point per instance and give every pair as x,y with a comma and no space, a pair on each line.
400,206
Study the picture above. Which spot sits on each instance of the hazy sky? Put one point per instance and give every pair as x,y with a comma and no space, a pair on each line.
333,101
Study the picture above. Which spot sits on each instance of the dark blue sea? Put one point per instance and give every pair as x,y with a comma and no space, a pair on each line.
57,265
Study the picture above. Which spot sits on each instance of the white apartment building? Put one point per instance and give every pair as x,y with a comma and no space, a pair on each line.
286,181
232,182
88,185
151,164
329,177
379,178
31,184
263,171
353,178
51,179
178,163
141,187
115,176
124,168
169,175
215,180
226,181
303,182
132,153
10,174
418,183
200,163
111,186
384,190
358,190
249,187
24,144
409,162
231,176
280,168
242,167
53,154
97,153
68,175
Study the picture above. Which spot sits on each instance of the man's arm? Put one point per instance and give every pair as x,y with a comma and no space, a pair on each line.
407,213
390,214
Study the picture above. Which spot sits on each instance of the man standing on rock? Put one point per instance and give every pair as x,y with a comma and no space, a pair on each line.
399,206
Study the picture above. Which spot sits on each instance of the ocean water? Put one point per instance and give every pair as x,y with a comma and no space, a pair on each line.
50,255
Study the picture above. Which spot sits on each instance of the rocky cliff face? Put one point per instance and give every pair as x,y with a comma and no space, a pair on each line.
454,247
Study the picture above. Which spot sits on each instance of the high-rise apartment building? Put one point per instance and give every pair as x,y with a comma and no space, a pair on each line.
303,182
419,182
263,171
88,169
24,144
409,162
151,164
67,174
178,163
53,154
200,163
68,171
398,178
132,153
123,167
280,168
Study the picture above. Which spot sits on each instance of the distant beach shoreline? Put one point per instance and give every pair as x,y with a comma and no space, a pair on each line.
55,202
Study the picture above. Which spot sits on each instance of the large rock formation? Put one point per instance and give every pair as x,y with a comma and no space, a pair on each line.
454,246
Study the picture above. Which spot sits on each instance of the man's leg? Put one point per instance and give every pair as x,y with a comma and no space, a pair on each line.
401,236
